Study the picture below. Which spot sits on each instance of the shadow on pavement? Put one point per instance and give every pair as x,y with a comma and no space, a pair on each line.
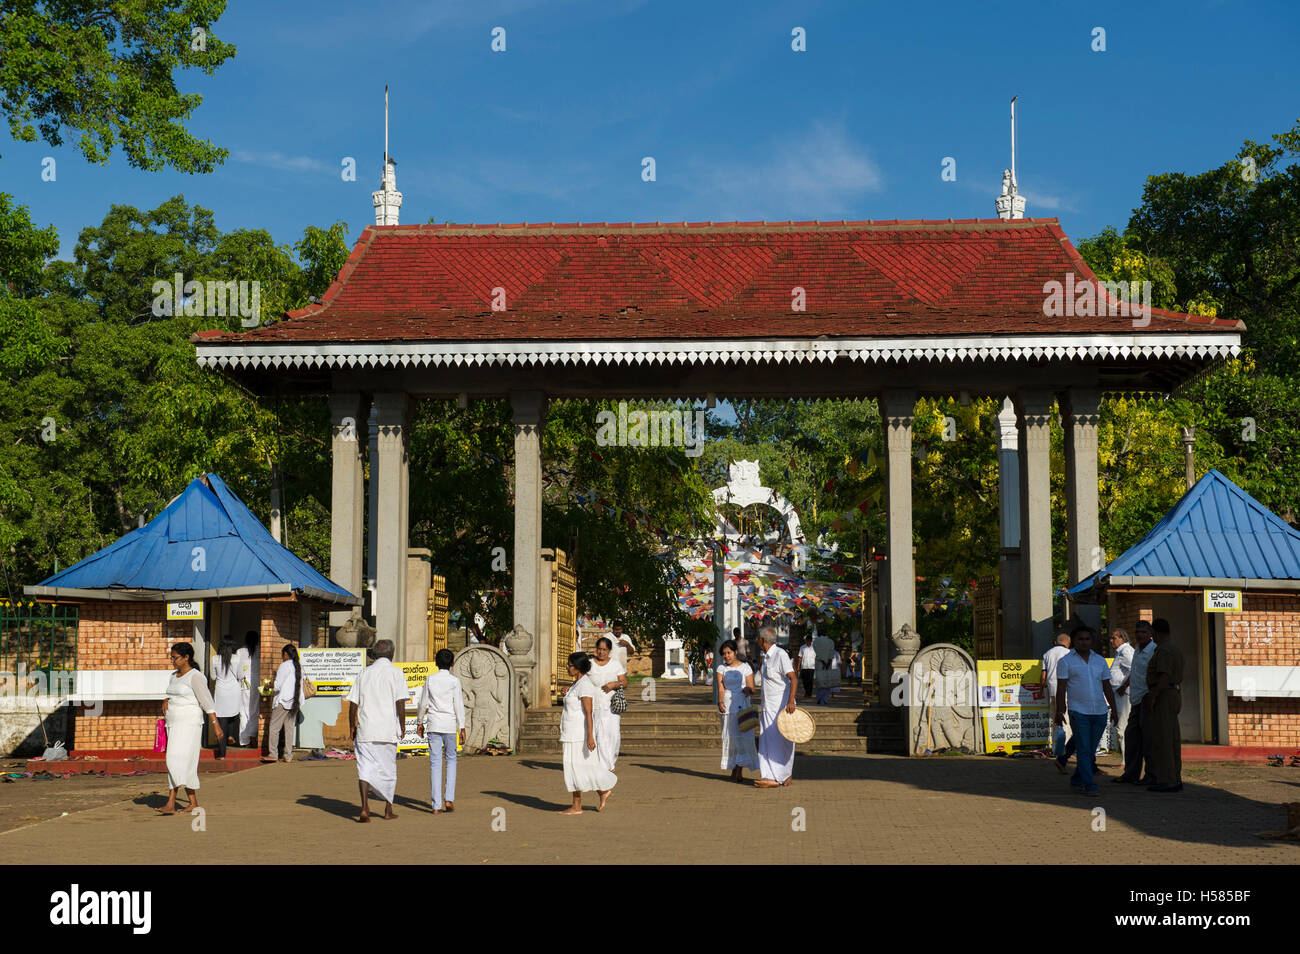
718,776
529,801
550,766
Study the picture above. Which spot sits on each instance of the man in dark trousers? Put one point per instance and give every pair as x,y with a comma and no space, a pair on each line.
807,665
1164,702
1137,735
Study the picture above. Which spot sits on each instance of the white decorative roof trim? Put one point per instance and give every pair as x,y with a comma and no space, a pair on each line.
1220,344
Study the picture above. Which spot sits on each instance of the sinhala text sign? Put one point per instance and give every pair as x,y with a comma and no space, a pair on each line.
332,671
185,609
1013,704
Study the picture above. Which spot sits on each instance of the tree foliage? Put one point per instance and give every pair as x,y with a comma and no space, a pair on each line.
106,71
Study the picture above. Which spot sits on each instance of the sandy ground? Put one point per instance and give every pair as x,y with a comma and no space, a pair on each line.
665,810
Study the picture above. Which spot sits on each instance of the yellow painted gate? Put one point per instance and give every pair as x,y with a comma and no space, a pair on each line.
564,617
437,615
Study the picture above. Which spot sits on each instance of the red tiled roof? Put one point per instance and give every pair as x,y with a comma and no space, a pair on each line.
700,281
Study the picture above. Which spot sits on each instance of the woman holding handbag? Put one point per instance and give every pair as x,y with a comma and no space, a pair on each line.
609,676
187,701
735,686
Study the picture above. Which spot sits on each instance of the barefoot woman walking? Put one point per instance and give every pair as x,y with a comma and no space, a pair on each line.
584,769
187,700
736,686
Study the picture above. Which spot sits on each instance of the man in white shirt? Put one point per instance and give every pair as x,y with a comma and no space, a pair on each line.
1137,733
440,711
775,751
623,644
1083,678
1051,660
807,665
1119,671
377,721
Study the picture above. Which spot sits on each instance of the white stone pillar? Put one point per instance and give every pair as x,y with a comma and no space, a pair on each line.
1080,413
897,409
372,511
348,415
1034,408
391,540
529,413
1009,567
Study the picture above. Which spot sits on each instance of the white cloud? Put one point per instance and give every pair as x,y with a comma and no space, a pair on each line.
283,163
815,173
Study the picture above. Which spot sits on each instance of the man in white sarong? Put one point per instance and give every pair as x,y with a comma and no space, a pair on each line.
377,720
775,751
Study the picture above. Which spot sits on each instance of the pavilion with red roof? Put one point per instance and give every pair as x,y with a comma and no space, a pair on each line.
695,310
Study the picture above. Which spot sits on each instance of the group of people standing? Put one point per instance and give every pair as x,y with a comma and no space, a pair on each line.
1138,693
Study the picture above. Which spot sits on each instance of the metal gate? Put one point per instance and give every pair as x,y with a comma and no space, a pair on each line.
564,616
438,614
987,605
38,637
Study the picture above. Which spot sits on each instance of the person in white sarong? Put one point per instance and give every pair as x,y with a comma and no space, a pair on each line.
377,721
736,682
584,770
187,700
775,751
249,699
607,675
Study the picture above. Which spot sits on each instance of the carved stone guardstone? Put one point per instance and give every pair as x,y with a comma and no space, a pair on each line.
491,694
942,700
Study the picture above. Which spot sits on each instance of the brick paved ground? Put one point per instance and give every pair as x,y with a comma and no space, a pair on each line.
675,809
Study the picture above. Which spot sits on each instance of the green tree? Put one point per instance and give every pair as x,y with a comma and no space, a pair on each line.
106,70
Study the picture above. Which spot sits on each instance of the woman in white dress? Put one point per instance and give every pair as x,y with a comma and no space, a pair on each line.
228,675
584,771
608,675
187,700
250,701
736,684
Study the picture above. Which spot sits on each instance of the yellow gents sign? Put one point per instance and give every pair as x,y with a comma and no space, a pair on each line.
1013,704
1011,682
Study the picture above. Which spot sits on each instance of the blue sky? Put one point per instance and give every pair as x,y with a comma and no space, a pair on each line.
740,126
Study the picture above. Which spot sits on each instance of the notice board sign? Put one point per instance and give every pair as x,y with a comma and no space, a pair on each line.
332,671
1222,601
1013,704
1012,728
1011,682
185,609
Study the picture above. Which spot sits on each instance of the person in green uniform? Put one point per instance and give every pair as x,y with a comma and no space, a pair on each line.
1164,702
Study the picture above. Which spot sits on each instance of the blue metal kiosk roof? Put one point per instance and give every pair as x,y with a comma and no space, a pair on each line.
1217,533
204,544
